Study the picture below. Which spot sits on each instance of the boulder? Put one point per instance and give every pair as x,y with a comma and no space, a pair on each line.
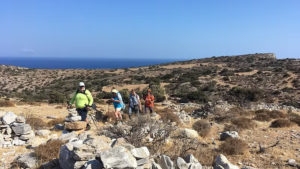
166,162
78,125
228,134
9,118
140,153
189,133
21,129
181,164
42,132
27,161
221,162
20,119
66,160
118,157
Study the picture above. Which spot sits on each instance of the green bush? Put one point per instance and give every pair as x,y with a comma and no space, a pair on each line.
246,94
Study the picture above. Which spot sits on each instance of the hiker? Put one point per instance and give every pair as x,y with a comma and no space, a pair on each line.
149,101
83,101
134,103
118,103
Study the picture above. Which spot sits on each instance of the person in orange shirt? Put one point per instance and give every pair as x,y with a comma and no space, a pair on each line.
149,101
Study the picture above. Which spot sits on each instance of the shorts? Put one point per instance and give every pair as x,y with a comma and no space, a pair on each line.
83,113
118,109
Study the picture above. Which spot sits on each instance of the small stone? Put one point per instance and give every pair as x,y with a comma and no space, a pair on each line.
181,164
20,119
228,134
189,133
42,132
67,136
83,156
26,137
59,126
195,166
73,118
222,162
156,166
166,162
140,153
191,159
292,162
51,117
18,142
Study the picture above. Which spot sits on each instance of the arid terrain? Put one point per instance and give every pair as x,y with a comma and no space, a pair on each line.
257,96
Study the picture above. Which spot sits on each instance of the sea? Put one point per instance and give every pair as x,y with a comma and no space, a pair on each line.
80,63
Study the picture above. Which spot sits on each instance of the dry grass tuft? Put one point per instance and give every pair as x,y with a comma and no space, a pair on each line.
35,122
243,123
53,122
203,127
168,116
267,115
279,123
59,107
233,147
295,118
48,151
6,103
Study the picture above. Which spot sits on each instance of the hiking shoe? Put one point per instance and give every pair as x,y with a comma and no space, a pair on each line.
88,127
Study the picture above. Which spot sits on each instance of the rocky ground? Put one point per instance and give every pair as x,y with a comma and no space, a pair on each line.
152,143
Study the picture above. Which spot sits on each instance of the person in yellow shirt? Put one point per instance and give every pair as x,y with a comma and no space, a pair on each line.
83,101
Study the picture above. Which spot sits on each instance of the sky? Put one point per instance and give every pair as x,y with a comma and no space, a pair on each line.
168,29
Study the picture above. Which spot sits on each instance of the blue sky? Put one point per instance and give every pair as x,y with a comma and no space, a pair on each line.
169,29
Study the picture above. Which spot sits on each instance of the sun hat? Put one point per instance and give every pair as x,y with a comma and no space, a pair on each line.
114,91
81,84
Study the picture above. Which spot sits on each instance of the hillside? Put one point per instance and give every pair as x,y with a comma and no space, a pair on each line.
221,112
236,79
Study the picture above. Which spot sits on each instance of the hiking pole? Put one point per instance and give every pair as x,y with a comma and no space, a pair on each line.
93,119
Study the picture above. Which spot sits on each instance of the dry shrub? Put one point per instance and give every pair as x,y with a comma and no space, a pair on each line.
168,116
233,146
274,114
48,151
281,123
125,116
295,118
231,127
59,107
243,123
233,112
184,146
267,115
203,127
238,111
35,122
56,121
6,103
